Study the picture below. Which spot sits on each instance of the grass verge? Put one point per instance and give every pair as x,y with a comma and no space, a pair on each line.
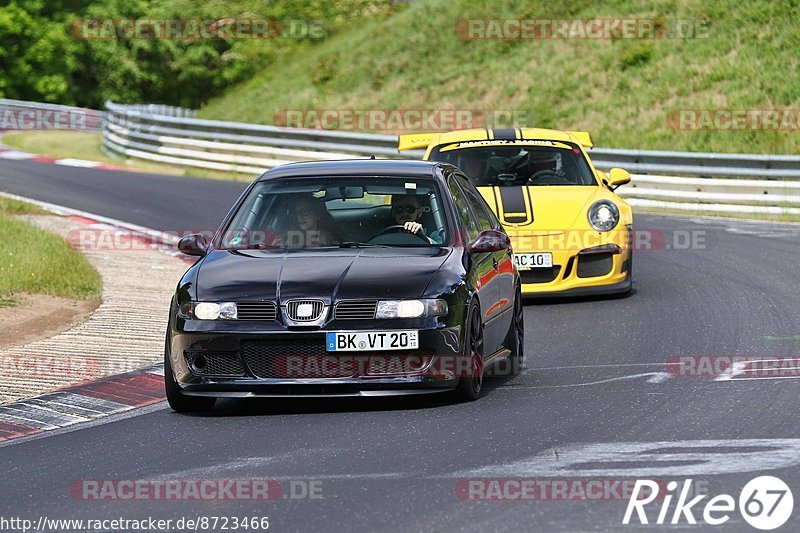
38,262
626,92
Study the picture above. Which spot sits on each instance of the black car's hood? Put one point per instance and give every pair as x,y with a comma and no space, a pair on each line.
327,274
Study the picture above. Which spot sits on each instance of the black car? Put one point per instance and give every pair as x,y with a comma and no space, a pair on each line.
346,278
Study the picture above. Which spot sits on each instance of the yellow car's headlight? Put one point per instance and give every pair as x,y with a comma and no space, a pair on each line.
603,215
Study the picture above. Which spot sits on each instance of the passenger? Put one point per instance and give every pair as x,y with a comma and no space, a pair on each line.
311,225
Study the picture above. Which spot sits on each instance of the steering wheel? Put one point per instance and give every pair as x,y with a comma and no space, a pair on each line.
399,228
548,174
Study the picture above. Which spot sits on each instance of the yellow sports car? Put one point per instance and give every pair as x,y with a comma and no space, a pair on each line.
570,232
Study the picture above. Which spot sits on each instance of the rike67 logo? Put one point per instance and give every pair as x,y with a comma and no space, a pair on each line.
765,503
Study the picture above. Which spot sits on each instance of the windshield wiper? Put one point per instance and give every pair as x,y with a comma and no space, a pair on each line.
356,244
254,246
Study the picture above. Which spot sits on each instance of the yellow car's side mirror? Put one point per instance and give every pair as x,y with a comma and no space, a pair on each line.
617,177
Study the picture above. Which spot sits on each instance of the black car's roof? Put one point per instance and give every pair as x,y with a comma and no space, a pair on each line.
357,167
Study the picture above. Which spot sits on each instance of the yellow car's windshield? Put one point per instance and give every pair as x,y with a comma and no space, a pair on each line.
515,164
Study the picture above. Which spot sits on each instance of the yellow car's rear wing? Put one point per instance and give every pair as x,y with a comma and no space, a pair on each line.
412,141
583,138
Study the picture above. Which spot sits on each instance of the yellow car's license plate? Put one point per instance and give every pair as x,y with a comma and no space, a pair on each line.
538,260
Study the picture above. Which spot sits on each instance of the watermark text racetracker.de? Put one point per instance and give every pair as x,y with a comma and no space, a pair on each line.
400,119
552,489
112,239
783,119
194,29
75,367
610,28
12,118
734,367
636,239
184,523
235,489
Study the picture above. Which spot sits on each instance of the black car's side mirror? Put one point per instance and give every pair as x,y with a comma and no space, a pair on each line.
490,240
194,244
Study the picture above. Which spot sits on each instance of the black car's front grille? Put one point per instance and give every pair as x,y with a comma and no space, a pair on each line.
256,310
593,265
540,275
308,359
292,359
215,363
356,309
295,308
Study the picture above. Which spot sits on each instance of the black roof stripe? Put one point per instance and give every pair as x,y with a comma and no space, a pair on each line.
505,134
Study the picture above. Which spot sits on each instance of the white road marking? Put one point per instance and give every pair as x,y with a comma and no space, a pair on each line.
613,365
620,459
58,418
15,417
249,463
16,154
71,162
659,377
655,377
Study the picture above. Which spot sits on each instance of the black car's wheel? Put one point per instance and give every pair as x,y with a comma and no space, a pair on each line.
180,402
515,339
470,384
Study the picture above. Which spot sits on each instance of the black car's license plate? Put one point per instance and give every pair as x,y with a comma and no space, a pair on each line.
359,341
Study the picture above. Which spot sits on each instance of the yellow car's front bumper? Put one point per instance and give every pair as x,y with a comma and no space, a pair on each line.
586,264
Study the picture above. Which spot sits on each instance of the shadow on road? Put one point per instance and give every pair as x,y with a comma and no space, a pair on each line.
228,407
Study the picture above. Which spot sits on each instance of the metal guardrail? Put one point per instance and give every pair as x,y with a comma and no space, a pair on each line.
699,163
36,115
723,183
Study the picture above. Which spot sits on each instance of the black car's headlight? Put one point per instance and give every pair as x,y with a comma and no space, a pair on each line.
209,310
604,215
411,308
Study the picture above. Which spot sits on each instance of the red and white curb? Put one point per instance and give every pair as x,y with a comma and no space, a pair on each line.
18,155
82,403
166,242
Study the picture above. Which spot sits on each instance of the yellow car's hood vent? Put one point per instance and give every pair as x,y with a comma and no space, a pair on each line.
543,210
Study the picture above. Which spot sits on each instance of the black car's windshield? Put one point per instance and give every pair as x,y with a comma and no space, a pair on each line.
339,212
540,163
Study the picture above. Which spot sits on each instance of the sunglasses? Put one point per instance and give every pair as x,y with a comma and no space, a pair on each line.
400,209
303,214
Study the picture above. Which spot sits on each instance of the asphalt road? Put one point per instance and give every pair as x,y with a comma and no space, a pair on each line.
596,401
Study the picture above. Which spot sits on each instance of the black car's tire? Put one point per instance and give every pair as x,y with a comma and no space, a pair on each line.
515,338
470,384
178,401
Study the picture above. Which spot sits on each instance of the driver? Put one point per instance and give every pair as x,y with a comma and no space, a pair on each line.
406,212
545,161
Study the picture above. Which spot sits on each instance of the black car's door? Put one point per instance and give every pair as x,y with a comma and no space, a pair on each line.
503,260
481,274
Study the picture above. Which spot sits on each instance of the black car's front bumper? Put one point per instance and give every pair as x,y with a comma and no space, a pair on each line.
239,359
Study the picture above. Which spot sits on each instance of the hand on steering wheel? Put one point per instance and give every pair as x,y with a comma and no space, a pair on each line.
412,227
